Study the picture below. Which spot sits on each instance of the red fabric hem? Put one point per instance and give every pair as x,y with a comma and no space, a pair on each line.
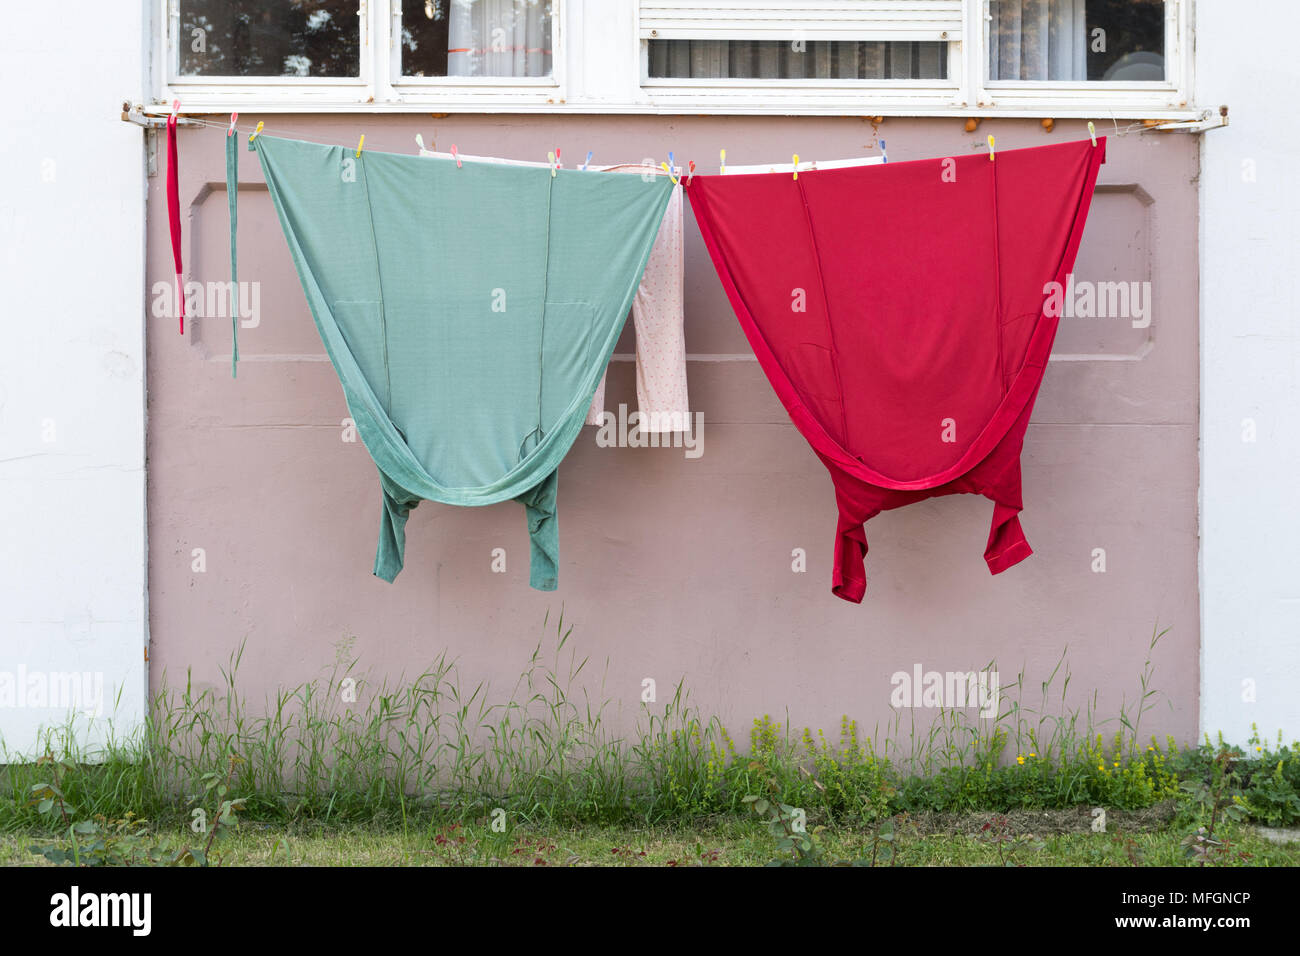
1009,558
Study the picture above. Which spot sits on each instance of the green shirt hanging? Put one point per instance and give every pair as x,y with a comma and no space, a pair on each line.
469,311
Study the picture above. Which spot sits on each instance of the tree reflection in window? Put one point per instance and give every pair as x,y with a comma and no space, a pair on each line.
299,38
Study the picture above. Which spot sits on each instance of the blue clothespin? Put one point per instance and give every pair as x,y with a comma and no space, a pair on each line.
882,151
587,160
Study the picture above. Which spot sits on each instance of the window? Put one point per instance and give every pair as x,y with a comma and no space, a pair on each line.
1126,59
266,38
468,38
1106,41
812,59
831,40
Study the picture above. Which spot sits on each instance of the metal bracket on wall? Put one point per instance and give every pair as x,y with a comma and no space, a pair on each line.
1210,119
135,113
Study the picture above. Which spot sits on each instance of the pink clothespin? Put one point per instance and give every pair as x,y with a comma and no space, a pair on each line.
455,155
233,117
176,105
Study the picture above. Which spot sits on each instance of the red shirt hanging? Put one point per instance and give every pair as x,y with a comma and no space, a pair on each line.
898,311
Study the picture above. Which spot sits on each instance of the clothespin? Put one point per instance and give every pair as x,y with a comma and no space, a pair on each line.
361,142
419,141
691,178
883,154
1092,131
551,157
722,161
796,165
669,170
672,163
558,164
260,124
455,155
176,105
586,162
990,147
233,117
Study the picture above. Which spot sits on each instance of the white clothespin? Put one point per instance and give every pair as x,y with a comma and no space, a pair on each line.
586,162
796,165
455,155
1092,131
990,147
551,157
884,155
233,117
419,141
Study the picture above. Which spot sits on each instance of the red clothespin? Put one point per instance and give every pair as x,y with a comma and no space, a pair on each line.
233,117
455,155
691,167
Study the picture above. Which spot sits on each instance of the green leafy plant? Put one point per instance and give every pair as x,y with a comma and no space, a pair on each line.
100,840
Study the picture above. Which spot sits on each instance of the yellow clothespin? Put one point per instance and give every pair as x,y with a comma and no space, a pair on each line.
722,161
1092,131
551,157
990,147
669,170
260,124
796,165
361,142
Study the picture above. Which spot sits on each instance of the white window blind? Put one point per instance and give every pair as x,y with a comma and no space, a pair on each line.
840,20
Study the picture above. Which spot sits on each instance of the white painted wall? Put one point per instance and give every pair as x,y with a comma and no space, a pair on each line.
1250,356
72,548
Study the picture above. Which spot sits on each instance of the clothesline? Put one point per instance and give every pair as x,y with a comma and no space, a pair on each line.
299,134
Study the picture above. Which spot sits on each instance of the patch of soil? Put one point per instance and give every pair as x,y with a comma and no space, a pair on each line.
1046,822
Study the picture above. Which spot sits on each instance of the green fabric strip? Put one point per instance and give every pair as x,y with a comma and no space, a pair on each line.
469,313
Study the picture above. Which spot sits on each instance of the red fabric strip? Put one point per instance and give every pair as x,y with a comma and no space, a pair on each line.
174,215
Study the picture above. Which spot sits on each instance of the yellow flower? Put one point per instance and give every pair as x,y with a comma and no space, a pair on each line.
1032,754
1020,759
1117,763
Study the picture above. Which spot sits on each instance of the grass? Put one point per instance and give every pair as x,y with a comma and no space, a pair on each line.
345,754
720,842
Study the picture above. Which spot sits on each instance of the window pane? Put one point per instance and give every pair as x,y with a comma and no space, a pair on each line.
1114,41
269,38
812,59
476,38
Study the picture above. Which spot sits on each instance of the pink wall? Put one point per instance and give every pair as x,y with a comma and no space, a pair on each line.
671,567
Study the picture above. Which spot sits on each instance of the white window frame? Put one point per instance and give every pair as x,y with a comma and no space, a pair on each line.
609,61
380,87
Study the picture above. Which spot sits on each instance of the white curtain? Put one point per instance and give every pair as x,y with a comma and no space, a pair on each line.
499,38
821,59
1038,40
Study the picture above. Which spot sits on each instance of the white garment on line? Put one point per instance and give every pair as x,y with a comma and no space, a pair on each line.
658,314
